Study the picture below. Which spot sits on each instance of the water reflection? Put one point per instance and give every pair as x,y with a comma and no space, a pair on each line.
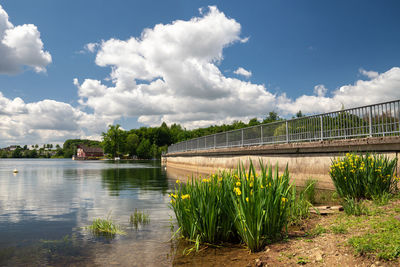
45,208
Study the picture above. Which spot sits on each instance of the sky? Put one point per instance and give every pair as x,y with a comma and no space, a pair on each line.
68,69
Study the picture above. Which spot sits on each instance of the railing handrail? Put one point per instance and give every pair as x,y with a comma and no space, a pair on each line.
308,131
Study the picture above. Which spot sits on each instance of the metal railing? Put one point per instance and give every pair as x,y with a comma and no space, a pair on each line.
381,119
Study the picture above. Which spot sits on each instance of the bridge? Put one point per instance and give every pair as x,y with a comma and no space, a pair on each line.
307,144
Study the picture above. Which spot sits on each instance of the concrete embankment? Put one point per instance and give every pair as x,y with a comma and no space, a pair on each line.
305,160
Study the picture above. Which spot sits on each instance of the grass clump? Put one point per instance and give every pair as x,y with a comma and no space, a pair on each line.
309,191
241,205
139,217
105,227
339,229
368,176
299,207
354,207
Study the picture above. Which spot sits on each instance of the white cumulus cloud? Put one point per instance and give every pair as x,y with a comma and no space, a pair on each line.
243,72
170,73
20,46
370,74
380,88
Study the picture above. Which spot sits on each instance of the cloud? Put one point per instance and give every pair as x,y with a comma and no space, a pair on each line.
380,88
91,47
243,72
20,46
170,73
45,121
369,74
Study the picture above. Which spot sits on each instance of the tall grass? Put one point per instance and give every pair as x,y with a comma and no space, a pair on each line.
368,176
105,227
240,205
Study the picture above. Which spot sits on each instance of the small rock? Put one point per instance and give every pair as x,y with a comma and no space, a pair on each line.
259,263
377,263
372,265
318,256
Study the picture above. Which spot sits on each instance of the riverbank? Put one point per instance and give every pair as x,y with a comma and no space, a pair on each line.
367,240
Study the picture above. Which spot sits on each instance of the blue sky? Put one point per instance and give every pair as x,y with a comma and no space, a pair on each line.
312,56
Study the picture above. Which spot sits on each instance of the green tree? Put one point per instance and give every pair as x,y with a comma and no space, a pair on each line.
143,150
114,140
132,143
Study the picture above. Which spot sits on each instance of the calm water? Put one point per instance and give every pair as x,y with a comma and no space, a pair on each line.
45,208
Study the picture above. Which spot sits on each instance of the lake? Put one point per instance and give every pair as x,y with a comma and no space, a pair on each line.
46,207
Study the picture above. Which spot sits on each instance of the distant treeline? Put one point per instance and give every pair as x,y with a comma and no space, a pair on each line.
150,142
142,143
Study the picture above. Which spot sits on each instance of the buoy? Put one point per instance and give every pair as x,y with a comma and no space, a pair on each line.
15,171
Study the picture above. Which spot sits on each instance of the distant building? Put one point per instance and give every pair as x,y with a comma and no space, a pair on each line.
86,152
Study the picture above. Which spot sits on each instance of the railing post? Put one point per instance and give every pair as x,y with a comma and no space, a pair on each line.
197,146
287,133
186,145
242,138
226,139
261,139
322,128
370,121
215,141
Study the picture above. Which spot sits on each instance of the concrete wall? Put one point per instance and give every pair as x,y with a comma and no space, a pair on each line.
305,160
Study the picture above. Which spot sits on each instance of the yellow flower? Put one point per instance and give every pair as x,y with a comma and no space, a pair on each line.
251,184
261,186
247,199
284,199
172,201
205,180
238,183
178,181
185,196
237,191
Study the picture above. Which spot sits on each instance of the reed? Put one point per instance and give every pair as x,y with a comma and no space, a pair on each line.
139,218
229,206
105,227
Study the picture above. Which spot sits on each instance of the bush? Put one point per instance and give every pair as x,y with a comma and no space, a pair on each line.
367,176
241,205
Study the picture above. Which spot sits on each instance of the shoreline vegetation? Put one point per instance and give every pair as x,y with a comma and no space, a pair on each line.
262,211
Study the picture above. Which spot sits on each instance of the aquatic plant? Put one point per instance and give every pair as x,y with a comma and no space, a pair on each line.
240,205
139,217
105,227
368,176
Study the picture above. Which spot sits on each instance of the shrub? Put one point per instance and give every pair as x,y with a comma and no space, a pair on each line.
368,176
240,205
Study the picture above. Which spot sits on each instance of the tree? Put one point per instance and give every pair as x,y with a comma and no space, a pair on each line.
253,122
299,114
113,140
272,116
132,143
143,150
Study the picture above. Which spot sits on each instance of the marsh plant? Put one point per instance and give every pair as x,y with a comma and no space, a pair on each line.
368,176
240,205
139,218
309,190
354,207
105,227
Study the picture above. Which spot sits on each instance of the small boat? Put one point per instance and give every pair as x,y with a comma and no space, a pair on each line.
15,171
116,158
